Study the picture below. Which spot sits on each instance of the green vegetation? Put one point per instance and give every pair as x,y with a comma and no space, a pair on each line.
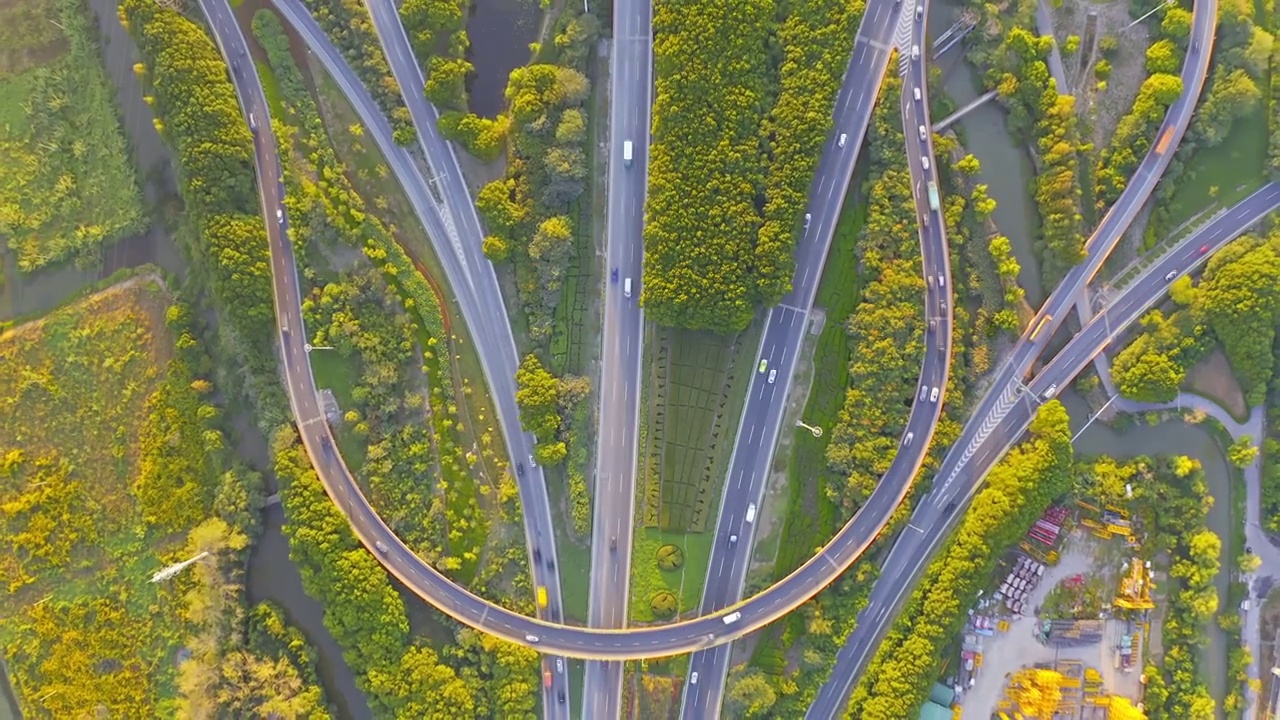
1017,491
1236,303
425,476
348,25
1273,109
886,330
1224,153
1018,70
438,34
705,166
668,571
113,467
68,186
198,113
696,386
409,442
544,400
1137,132
815,38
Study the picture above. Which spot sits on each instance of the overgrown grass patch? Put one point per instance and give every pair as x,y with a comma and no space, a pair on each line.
68,185
685,583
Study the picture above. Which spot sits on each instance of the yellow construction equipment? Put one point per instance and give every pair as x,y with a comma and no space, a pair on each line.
1135,588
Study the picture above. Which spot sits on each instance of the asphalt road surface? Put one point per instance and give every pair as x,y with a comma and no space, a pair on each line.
1005,412
631,92
786,324
491,329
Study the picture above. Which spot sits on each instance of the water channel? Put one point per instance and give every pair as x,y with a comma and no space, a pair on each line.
1006,169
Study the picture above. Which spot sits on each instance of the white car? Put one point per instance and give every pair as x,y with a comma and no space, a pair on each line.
923,133
807,218
920,12
917,94
924,162
843,137
279,216
531,639
933,395
915,52
1172,274
906,441
773,375
751,512
1053,390
560,665
381,547
693,678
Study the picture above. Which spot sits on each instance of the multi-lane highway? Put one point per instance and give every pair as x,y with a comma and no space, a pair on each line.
906,558
490,328
884,24
630,92
993,428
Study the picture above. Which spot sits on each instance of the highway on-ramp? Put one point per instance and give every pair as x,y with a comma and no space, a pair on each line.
995,426
884,23
630,95
489,325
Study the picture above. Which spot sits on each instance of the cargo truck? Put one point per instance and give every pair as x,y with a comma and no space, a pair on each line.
626,153
933,196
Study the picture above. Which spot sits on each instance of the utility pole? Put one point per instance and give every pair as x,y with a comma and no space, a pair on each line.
174,569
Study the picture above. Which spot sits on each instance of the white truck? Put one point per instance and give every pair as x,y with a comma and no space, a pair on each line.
732,618
626,153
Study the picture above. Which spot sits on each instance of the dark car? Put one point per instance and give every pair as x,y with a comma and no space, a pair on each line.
537,555
235,68
614,275
551,564
950,508
520,469
613,543
560,697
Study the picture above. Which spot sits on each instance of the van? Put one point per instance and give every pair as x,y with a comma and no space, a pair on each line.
626,287
915,52
906,441
917,93
626,153
924,161
751,512
732,618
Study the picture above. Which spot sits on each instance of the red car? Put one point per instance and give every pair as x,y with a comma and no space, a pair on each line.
1204,249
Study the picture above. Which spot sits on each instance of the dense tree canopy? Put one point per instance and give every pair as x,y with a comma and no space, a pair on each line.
705,167
1017,491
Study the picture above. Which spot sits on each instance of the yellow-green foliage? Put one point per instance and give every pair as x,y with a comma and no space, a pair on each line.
94,405
66,182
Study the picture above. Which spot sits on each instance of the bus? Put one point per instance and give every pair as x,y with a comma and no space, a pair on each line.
1040,326
542,596
1164,141
933,196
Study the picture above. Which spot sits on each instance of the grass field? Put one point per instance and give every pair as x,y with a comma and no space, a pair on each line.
697,386
81,619
1226,173
685,583
68,185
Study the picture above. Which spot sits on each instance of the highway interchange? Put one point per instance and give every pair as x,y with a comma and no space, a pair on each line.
469,273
